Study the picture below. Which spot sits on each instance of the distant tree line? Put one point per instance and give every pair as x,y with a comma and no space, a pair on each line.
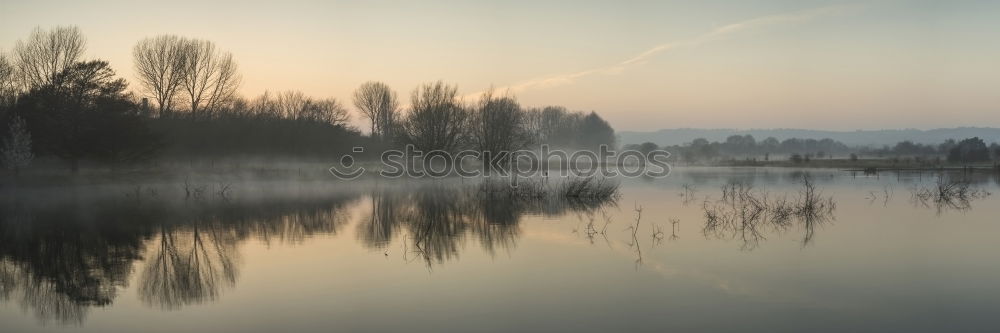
967,150
803,150
186,104
747,147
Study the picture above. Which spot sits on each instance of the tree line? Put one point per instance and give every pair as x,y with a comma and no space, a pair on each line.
802,150
966,150
746,146
186,103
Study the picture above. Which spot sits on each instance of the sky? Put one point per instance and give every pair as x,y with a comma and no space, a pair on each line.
643,65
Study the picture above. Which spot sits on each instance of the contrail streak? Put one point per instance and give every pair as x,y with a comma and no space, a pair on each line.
716,34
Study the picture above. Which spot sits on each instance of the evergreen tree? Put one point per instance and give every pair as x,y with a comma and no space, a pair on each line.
16,150
86,113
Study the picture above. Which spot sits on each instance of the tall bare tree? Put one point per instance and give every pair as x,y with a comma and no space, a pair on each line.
209,78
498,125
436,120
46,53
378,103
159,68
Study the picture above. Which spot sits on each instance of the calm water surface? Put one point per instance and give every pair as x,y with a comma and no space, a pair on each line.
441,256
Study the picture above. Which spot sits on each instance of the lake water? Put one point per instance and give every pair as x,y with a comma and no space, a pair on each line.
430,256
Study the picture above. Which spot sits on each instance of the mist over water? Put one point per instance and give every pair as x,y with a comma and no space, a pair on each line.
302,253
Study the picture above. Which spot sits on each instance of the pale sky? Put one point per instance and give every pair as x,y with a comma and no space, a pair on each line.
642,65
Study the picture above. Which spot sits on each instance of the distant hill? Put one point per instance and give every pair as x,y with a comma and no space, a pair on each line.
851,138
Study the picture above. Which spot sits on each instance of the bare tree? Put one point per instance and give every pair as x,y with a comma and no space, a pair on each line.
159,68
556,126
329,111
378,103
290,104
265,106
294,105
436,120
533,124
8,84
209,77
498,125
46,53
16,150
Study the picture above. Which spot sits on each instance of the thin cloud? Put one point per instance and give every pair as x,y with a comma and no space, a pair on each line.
641,58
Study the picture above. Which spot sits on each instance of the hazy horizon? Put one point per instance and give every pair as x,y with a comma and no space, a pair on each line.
825,65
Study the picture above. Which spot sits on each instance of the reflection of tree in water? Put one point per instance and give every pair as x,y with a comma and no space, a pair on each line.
376,230
747,215
194,262
57,267
61,259
38,296
948,193
188,266
438,218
